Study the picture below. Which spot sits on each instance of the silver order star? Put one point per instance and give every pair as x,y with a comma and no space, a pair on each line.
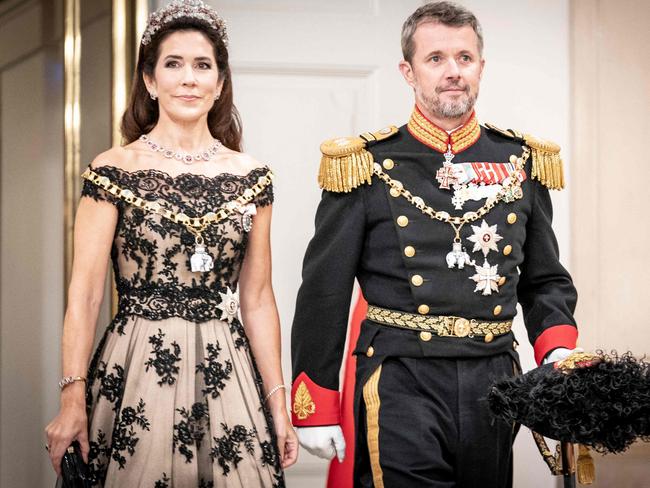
486,278
229,305
485,238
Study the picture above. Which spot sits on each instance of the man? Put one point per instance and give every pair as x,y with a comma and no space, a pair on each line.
446,225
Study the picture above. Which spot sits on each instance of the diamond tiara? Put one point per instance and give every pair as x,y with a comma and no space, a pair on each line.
177,9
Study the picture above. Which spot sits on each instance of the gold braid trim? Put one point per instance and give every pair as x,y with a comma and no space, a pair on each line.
547,163
373,403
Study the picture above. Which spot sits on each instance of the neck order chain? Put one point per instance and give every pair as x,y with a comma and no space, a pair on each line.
510,192
200,260
186,158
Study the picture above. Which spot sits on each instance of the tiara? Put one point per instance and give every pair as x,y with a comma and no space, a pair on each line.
177,9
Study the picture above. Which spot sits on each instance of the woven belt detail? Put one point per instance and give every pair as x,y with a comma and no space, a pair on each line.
442,325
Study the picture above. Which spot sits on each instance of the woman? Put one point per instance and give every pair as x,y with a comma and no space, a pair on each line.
179,392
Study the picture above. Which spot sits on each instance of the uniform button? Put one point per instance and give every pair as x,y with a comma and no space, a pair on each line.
513,158
402,221
512,218
394,192
497,310
417,280
370,352
423,309
388,164
502,281
425,336
489,337
409,251
507,250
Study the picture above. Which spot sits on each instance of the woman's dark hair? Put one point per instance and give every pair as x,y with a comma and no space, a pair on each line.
141,115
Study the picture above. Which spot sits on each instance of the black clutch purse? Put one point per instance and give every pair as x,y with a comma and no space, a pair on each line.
74,472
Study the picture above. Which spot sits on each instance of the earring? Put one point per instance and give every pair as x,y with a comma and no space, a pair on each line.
216,97
153,97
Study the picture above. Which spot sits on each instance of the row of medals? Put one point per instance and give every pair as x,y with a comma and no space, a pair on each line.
485,236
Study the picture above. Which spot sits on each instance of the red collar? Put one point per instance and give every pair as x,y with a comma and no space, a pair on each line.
436,138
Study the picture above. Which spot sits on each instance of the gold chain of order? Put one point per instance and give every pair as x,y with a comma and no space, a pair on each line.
195,225
513,188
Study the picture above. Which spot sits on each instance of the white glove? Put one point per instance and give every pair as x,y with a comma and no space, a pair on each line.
560,353
323,441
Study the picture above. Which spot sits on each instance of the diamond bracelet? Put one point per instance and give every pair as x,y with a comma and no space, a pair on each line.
68,380
273,390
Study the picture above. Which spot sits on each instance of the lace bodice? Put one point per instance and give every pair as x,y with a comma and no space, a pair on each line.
151,254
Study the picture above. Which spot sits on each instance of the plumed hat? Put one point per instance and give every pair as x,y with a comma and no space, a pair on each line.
598,400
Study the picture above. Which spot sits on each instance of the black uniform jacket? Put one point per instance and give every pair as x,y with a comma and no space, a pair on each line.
357,235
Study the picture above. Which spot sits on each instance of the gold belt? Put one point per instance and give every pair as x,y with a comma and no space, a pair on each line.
442,325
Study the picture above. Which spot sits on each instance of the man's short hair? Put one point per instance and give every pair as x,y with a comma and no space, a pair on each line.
446,13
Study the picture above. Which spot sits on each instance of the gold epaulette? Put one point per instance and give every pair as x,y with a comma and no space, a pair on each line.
547,164
345,163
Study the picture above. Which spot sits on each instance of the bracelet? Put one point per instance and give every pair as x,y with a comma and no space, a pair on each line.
68,380
273,390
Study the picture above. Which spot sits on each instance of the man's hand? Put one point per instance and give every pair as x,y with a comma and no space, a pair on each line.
323,441
560,353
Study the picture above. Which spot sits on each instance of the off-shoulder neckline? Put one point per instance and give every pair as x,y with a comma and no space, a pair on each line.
224,174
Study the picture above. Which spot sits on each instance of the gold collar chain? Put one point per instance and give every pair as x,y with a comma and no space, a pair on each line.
510,192
195,225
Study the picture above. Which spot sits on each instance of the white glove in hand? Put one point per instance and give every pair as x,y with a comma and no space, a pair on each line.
323,441
560,353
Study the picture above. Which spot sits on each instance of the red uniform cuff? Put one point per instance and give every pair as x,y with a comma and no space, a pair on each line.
313,405
554,337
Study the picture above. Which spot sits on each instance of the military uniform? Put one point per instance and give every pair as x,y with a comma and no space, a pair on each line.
445,233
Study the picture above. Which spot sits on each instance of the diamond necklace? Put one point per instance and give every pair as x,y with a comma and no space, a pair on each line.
186,158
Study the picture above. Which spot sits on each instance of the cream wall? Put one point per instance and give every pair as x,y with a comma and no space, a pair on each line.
527,86
610,126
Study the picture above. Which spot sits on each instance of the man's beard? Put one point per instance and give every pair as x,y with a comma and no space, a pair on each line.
451,109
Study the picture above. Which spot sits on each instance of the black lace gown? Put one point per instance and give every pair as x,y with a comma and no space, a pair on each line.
173,397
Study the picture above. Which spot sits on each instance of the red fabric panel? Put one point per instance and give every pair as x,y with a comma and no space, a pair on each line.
554,337
340,474
327,404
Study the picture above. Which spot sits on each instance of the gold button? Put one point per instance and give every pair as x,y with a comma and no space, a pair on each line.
489,337
394,192
417,280
409,251
497,310
425,336
370,352
402,221
388,164
512,218
461,327
502,281
423,309
507,250
513,158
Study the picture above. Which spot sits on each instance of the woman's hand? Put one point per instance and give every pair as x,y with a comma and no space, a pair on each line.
287,439
71,424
